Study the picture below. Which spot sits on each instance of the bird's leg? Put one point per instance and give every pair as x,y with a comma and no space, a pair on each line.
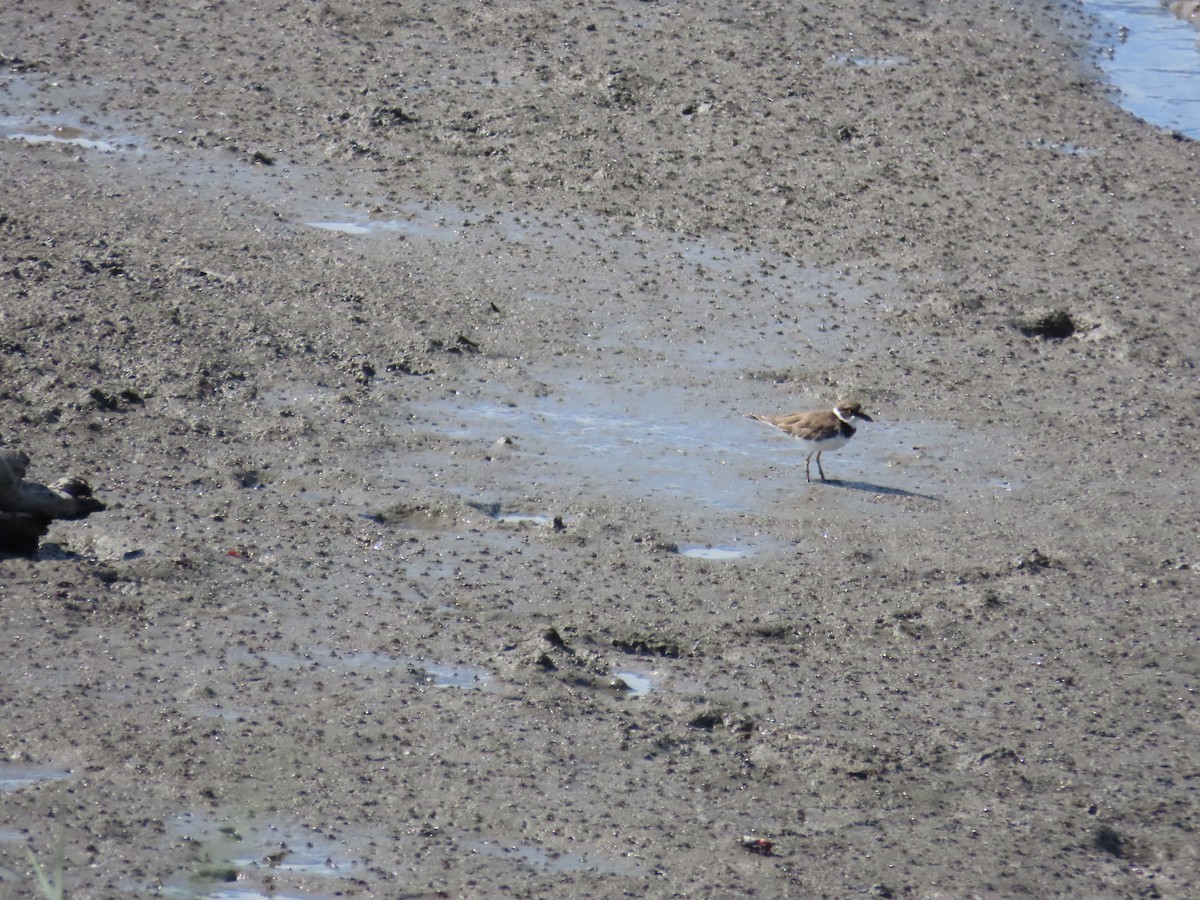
807,464
819,468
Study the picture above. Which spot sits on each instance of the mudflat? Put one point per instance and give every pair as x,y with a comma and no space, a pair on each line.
409,349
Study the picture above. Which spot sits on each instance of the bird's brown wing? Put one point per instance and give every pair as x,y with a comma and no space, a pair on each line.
808,426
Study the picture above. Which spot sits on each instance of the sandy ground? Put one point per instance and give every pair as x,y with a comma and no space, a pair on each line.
409,350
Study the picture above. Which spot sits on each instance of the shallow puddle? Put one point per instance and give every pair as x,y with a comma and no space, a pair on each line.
455,676
704,551
432,221
639,685
232,853
497,513
14,776
1153,59
595,440
71,137
582,442
70,131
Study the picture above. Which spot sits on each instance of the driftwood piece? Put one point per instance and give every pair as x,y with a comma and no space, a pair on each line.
28,508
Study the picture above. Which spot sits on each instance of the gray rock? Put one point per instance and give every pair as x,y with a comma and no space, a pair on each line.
27,508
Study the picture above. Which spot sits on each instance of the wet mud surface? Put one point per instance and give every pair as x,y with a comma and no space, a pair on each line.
409,351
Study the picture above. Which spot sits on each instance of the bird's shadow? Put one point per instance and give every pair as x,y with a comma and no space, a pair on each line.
870,488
